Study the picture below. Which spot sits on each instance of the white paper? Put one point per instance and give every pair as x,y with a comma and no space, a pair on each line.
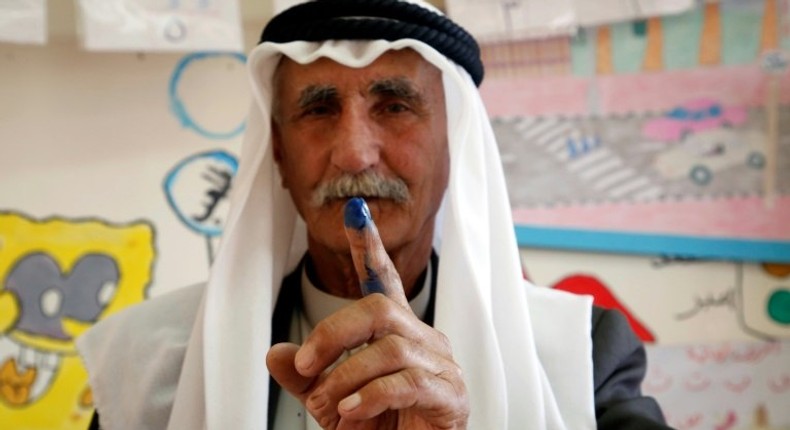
281,5
592,13
23,21
160,25
494,20
520,19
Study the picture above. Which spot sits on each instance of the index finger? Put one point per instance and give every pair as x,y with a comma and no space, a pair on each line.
374,268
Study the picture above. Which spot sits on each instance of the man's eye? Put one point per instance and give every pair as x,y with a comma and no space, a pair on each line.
396,108
317,111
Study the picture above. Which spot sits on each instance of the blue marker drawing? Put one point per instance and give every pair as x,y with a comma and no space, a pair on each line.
177,105
197,190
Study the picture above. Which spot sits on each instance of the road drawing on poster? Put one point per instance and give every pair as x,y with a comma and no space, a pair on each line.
179,107
712,151
58,277
197,190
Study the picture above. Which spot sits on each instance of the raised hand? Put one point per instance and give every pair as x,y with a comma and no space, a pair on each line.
403,378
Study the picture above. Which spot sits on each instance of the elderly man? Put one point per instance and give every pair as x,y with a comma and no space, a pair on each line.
369,173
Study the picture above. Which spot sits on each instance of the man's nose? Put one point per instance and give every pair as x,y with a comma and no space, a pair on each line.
357,143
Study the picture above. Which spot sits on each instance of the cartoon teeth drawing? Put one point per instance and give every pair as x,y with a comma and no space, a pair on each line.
57,278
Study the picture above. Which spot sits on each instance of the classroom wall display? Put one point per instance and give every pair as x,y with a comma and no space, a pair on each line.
115,172
717,333
23,21
163,25
672,301
666,135
722,386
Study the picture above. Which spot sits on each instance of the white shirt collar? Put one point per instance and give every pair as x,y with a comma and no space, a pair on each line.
318,304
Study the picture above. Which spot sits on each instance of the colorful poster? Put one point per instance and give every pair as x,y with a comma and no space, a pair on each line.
717,333
57,278
650,137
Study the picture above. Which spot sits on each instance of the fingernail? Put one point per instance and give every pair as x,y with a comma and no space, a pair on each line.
357,214
351,402
304,358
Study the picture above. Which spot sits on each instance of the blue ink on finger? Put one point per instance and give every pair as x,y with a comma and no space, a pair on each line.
372,284
357,214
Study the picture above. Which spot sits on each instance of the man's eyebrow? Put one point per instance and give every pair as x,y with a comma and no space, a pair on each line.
316,94
396,87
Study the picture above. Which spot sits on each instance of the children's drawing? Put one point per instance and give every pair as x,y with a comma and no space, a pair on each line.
57,278
716,386
551,160
691,117
605,298
763,292
197,190
701,155
186,113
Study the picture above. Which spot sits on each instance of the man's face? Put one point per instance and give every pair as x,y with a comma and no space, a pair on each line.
387,119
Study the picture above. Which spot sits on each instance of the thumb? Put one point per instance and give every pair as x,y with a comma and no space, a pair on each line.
374,268
280,361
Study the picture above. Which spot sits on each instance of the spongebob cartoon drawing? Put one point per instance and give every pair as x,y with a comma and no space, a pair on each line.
57,278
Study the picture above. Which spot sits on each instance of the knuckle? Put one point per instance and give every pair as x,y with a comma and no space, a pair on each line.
395,349
379,305
443,342
325,327
416,380
326,422
319,412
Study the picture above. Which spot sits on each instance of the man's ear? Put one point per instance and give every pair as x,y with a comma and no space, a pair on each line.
277,152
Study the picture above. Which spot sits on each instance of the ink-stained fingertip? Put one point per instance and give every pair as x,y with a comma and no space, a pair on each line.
357,214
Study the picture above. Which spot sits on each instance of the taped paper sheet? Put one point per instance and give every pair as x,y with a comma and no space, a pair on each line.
23,21
609,11
160,25
494,20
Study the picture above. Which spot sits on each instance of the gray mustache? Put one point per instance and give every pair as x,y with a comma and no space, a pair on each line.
366,184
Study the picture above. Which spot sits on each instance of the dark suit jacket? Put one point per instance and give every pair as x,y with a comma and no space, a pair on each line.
619,365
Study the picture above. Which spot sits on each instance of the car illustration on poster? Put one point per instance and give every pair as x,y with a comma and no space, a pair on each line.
701,155
692,117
